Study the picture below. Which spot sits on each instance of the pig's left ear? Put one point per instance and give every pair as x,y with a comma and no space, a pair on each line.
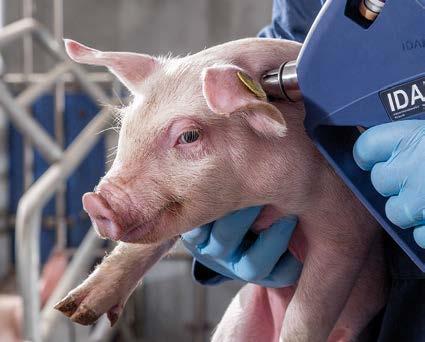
130,68
229,90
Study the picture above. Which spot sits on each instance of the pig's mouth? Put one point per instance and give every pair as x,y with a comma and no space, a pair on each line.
137,233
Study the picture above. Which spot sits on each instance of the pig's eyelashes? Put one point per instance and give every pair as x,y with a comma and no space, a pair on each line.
189,137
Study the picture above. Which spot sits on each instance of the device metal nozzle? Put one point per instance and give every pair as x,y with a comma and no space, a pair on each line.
370,9
282,83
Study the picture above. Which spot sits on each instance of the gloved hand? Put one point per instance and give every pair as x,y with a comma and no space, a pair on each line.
227,247
395,152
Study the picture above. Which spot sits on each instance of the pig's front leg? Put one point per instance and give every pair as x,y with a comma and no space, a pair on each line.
107,289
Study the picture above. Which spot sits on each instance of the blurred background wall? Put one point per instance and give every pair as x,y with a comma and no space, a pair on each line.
169,306
149,26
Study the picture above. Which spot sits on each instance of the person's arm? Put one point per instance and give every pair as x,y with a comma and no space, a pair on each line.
291,19
395,155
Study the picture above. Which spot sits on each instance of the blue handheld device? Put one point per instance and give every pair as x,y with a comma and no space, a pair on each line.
355,72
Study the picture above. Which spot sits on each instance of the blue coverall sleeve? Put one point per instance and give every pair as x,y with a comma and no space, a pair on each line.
292,19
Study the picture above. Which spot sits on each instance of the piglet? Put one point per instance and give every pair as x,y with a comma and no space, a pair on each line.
196,143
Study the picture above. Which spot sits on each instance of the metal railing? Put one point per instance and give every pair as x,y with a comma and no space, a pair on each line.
82,259
36,325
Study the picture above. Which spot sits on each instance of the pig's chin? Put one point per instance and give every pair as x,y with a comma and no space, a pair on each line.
148,232
154,230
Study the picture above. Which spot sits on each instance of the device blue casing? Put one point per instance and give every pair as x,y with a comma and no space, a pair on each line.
343,67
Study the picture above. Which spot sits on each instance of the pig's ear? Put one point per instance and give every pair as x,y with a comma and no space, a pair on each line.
130,68
229,90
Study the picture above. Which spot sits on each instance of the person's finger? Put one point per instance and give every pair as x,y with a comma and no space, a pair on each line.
378,143
228,232
258,261
197,236
405,210
285,273
419,236
386,179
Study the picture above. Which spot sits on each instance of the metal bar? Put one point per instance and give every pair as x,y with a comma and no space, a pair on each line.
27,271
57,51
28,66
58,19
4,182
29,127
60,200
52,46
29,95
27,12
28,219
94,77
17,29
81,262
92,89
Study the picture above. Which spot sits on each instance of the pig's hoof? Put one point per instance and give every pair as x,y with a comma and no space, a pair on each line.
78,313
84,316
67,306
85,306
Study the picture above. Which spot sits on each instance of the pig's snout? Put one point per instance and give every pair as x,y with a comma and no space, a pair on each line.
102,216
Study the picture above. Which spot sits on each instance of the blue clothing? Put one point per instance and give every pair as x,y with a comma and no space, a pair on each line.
292,19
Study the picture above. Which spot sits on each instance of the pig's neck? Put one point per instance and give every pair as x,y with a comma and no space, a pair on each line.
296,173
300,181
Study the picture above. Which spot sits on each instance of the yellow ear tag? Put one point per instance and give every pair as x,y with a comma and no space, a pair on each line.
252,85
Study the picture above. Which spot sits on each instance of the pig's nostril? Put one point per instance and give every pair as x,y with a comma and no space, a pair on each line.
106,226
102,216
103,223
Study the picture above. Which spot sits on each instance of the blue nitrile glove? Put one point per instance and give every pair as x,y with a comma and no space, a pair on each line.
395,152
225,249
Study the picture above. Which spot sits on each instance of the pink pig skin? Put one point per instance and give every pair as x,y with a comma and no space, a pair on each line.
250,152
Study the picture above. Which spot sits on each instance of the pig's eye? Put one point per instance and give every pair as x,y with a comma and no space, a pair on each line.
189,137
